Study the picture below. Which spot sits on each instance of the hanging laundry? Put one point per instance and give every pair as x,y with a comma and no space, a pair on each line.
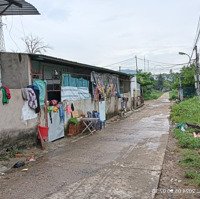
53,102
24,94
8,93
5,99
32,100
55,109
68,110
61,113
72,106
42,87
50,109
37,93
29,95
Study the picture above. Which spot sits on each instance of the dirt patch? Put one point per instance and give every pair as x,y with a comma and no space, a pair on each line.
172,183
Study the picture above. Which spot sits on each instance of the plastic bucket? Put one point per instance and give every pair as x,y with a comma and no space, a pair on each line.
44,132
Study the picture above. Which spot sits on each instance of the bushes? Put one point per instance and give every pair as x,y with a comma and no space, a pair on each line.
173,95
154,94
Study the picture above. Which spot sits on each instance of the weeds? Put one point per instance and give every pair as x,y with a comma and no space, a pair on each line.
191,159
173,95
188,111
152,95
193,176
186,139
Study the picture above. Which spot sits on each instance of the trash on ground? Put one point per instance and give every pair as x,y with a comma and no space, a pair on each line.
19,164
18,155
31,159
195,126
196,135
26,169
182,126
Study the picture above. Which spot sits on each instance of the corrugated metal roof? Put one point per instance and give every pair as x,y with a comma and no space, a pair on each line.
17,7
46,58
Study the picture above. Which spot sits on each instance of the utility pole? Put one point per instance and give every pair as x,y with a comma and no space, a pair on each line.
120,69
148,66
197,71
136,64
144,63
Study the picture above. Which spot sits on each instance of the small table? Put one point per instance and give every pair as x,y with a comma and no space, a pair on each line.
89,124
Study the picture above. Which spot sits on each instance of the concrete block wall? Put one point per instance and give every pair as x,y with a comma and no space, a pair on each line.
15,70
12,127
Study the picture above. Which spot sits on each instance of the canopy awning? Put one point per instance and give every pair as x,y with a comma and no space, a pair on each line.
17,7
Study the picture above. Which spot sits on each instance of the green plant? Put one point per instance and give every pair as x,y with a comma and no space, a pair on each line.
173,95
188,112
154,94
193,176
73,120
191,159
186,139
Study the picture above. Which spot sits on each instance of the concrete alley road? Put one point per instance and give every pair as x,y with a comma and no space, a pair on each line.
123,161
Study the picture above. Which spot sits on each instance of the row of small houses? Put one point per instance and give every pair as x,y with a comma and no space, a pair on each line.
76,88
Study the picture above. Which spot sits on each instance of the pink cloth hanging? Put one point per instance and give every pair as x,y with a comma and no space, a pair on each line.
68,110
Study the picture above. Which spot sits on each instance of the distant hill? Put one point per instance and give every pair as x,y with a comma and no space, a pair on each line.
129,71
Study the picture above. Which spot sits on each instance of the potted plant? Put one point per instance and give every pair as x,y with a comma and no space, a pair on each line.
72,126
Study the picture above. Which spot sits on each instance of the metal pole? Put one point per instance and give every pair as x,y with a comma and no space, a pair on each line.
136,64
144,63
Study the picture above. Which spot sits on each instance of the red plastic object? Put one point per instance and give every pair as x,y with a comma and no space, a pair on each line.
43,132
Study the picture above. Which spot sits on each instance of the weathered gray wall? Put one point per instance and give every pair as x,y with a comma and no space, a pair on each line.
12,127
15,70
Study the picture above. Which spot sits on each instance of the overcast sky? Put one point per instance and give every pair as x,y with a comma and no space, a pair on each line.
102,32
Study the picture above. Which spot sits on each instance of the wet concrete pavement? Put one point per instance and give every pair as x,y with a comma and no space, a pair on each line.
123,161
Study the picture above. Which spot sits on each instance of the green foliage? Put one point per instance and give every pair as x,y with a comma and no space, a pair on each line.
173,94
148,85
73,120
175,81
193,176
191,159
186,140
187,76
187,111
160,82
154,94
145,79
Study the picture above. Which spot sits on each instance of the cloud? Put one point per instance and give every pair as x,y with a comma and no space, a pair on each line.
103,32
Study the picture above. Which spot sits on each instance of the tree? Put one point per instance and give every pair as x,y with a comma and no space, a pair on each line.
160,82
187,76
35,45
147,82
145,79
